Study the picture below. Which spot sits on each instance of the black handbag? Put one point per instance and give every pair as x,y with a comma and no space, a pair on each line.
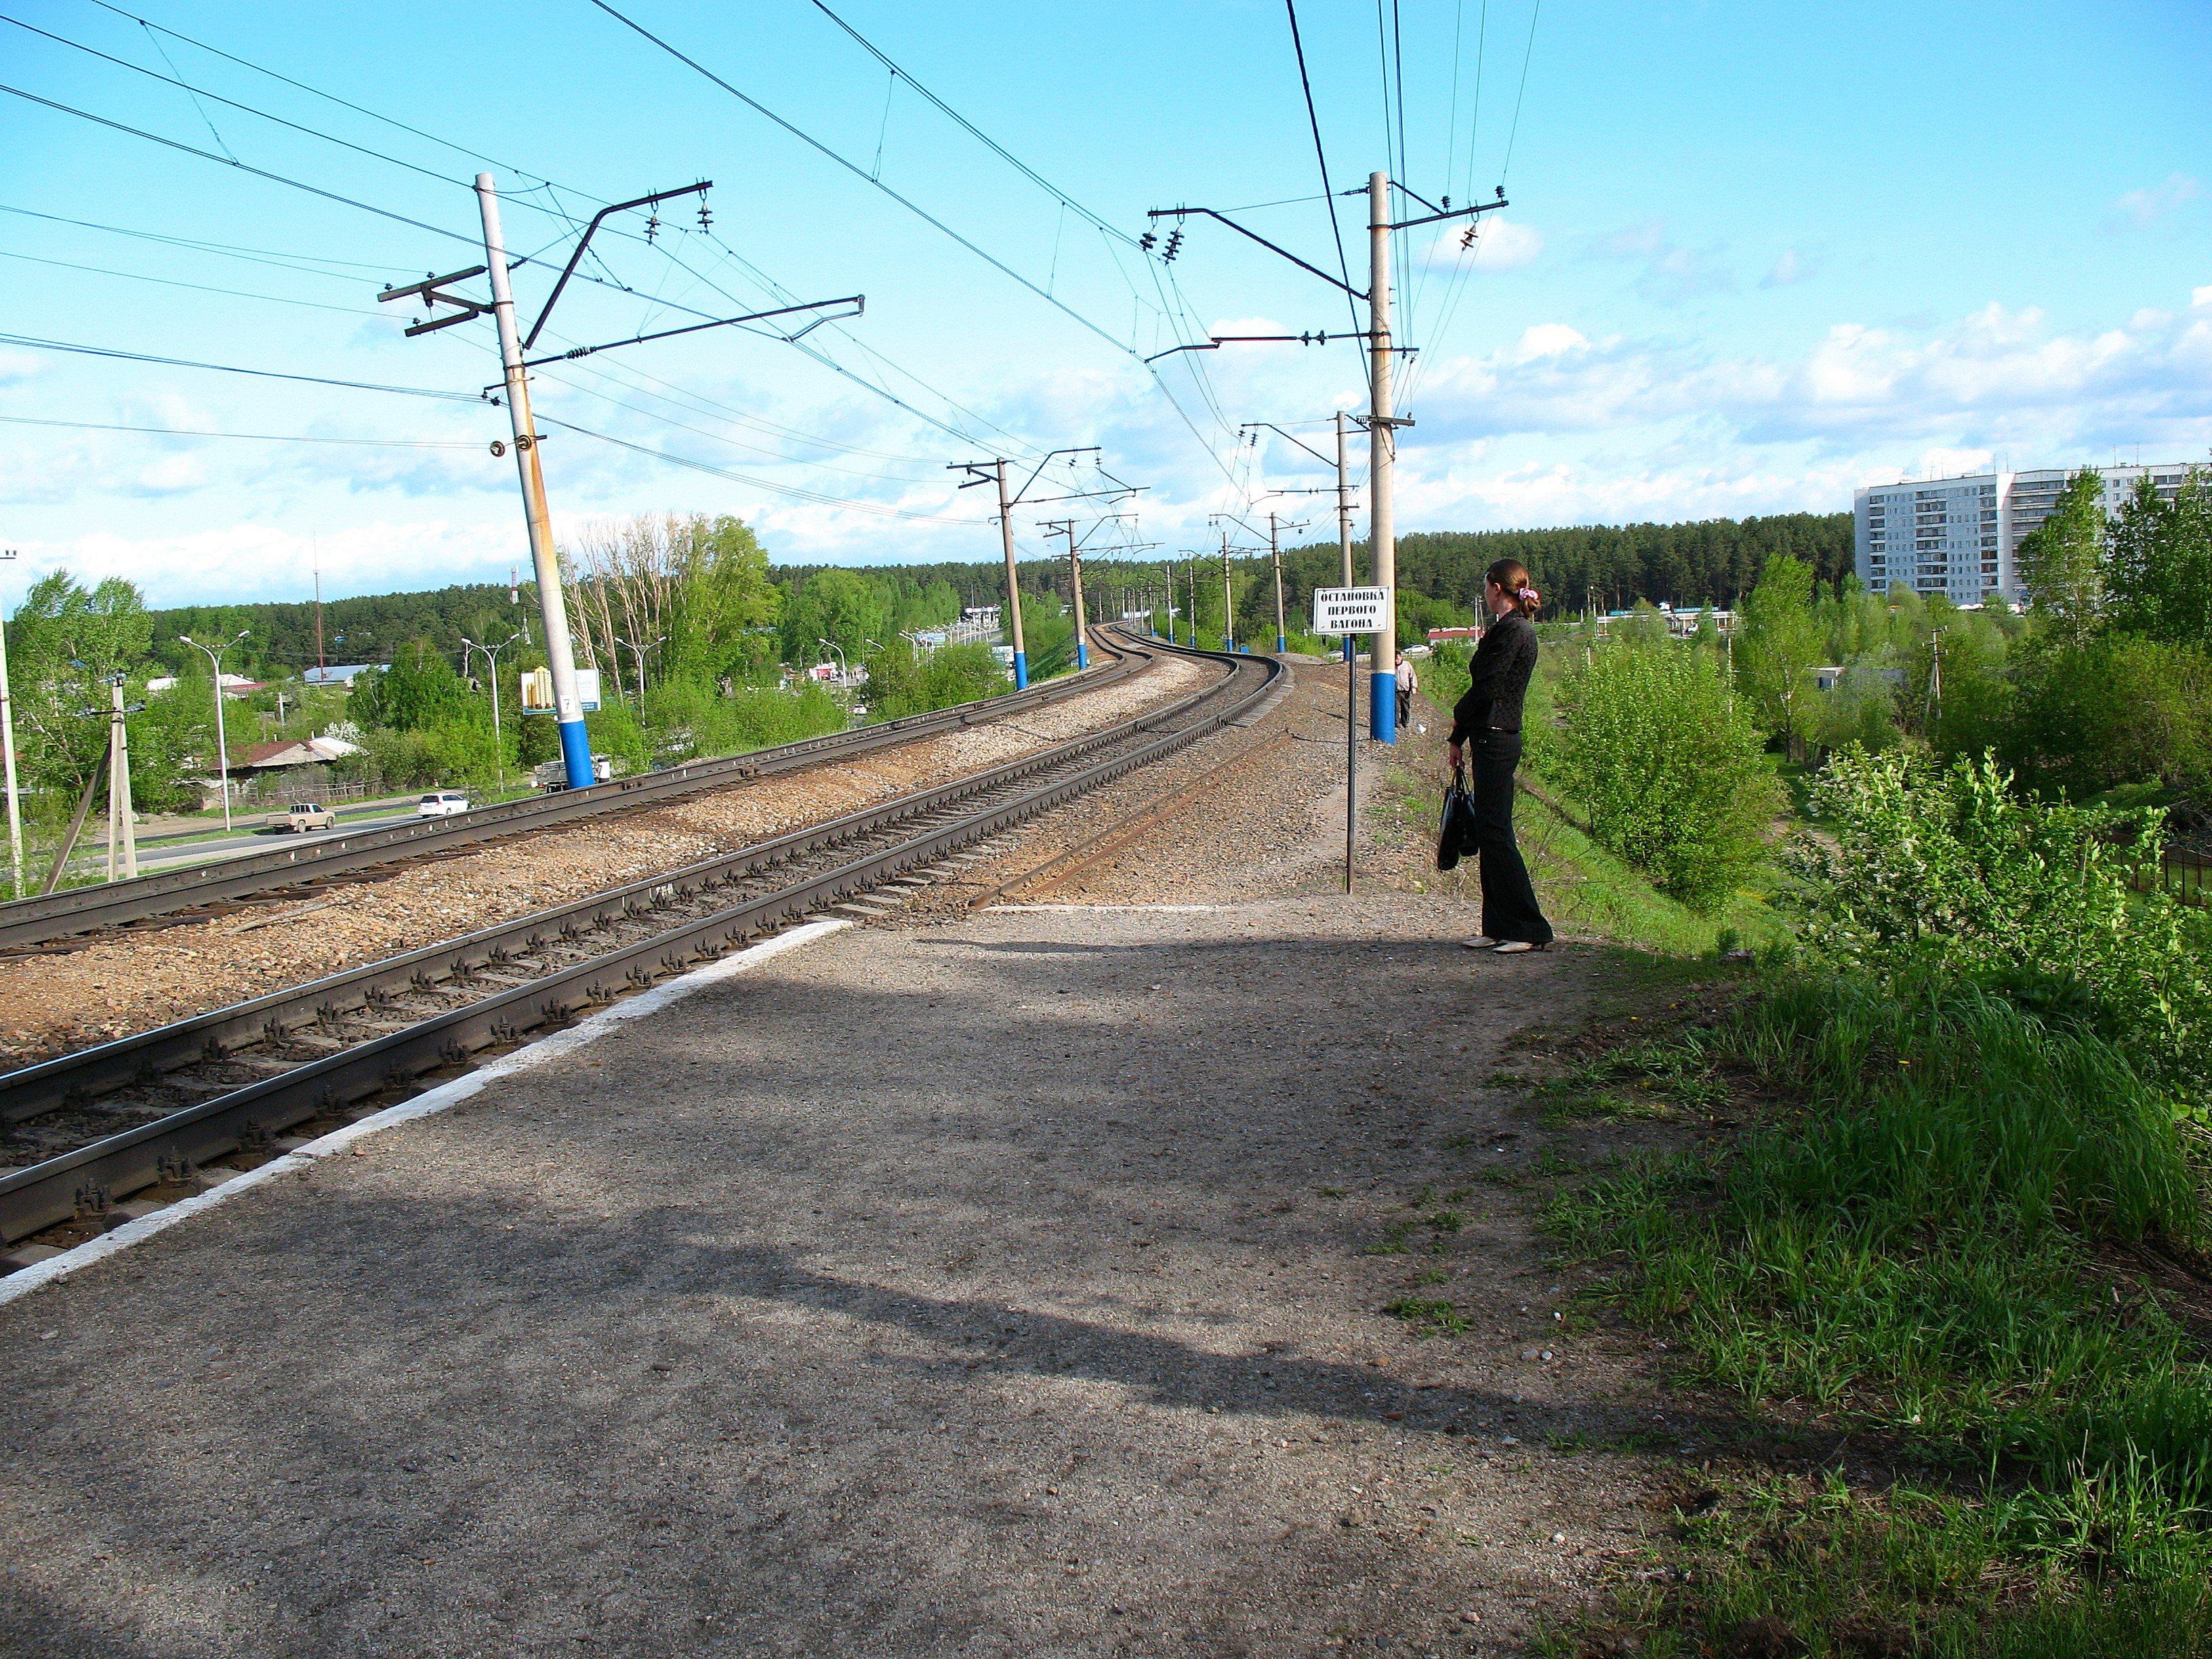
1456,831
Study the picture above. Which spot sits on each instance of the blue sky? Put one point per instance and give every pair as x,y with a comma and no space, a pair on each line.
1756,256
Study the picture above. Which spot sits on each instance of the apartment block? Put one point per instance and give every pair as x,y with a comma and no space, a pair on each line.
1957,536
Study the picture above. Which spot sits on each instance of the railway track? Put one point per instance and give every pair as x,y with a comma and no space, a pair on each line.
294,870
147,1113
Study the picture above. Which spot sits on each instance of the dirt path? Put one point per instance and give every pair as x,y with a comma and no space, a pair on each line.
56,1004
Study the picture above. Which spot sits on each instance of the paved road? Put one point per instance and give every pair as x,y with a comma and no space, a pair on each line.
1000,1286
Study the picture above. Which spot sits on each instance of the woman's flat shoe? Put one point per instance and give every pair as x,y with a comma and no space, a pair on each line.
1513,947
1480,942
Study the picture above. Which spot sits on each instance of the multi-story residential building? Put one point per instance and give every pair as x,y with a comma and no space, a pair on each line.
1957,536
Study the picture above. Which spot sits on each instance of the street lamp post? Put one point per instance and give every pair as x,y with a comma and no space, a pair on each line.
498,742
638,652
844,669
221,741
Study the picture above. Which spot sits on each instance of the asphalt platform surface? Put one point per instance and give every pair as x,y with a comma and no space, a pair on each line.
1013,1284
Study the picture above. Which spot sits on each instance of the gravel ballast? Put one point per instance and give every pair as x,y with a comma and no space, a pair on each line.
118,985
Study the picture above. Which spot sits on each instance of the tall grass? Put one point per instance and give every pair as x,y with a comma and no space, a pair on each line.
1925,1245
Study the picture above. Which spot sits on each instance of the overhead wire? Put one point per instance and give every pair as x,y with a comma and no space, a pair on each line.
904,201
32,342
1321,157
257,437
874,509
197,287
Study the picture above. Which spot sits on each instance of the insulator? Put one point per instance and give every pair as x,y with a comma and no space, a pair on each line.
1146,241
652,226
1466,238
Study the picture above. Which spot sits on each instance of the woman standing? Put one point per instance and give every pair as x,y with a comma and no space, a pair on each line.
1487,722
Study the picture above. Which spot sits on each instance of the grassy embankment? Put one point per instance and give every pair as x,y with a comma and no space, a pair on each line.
1953,1268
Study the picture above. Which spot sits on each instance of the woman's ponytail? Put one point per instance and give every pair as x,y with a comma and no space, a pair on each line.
1512,575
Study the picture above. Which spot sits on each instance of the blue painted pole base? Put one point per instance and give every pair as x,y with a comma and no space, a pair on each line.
1383,712
1350,649
1082,656
1282,644
577,754
1021,670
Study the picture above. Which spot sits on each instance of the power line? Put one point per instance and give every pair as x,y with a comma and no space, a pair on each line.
258,437
1534,12
226,369
197,287
197,93
1321,156
861,173
873,508
448,144
224,161
298,262
974,131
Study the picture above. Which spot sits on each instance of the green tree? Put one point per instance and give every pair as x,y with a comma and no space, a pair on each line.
1778,648
1667,765
66,643
2061,561
2161,569
844,606
420,690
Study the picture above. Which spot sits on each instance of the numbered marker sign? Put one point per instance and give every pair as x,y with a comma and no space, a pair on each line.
1349,610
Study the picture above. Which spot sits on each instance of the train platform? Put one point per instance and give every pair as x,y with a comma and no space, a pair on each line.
1018,1283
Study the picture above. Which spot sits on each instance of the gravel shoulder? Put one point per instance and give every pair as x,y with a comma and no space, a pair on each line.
57,1003
1008,1282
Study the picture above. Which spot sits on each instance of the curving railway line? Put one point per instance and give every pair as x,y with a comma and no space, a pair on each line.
147,1113
297,871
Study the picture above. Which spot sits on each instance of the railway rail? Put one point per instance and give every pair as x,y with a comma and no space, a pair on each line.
206,1088
295,871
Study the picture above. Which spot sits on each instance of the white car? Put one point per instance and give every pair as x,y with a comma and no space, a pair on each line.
444,803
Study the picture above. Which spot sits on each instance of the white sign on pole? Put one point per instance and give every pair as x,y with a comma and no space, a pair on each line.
1349,610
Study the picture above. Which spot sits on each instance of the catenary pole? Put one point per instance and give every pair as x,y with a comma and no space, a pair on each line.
1228,600
1344,527
1075,593
1275,553
1382,440
1013,586
8,760
121,824
560,651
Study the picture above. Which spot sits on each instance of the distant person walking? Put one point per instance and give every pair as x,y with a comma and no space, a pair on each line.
1486,728
1408,685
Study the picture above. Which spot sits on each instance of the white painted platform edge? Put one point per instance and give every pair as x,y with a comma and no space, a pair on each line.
1109,910
429,1103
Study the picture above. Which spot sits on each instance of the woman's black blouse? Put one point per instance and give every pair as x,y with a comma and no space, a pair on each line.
1502,663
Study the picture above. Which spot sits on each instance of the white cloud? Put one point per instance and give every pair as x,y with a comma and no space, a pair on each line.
2139,209
1791,267
18,366
1671,273
1500,245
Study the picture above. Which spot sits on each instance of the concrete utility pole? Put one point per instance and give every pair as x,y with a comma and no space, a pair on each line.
1382,441
1014,584
8,756
1075,588
1228,600
560,651
1275,552
120,827
1344,525
221,741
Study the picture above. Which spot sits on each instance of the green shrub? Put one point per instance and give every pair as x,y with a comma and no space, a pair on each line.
900,683
1666,765
1950,868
